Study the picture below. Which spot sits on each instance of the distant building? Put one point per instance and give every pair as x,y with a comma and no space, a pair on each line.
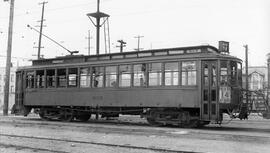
11,86
257,83
257,77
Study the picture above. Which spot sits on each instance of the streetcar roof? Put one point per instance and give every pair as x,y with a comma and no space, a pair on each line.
187,52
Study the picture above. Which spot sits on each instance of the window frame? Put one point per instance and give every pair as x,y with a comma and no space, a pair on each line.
160,80
112,83
127,73
54,80
87,75
172,77
102,79
40,82
187,74
144,73
76,77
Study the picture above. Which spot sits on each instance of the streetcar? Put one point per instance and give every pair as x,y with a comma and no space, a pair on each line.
183,86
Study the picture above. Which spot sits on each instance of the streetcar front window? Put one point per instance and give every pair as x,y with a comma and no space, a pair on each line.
223,73
233,68
224,89
239,74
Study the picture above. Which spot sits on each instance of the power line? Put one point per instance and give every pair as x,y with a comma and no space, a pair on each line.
49,10
23,58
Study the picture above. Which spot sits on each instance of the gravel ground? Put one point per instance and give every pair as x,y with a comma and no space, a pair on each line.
130,135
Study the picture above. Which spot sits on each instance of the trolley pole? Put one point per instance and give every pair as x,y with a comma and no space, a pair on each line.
246,56
8,60
40,30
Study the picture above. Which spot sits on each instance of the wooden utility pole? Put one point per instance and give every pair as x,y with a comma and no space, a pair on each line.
98,28
8,60
89,38
122,45
246,56
40,30
138,37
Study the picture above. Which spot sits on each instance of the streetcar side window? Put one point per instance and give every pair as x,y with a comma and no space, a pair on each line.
171,74
124,75
30,79
139,77
72,77
189,73
40,79
155,74
50,78
61,78
85,76
111,76
97,77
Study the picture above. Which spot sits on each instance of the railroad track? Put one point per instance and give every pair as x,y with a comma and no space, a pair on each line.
91,134
136,127
20,147
82,142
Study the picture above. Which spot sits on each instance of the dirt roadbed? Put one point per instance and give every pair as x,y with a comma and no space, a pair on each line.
130,134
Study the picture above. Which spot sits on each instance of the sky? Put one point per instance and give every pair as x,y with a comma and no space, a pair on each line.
162,23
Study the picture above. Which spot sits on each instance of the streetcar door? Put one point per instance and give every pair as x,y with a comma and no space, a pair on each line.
209,106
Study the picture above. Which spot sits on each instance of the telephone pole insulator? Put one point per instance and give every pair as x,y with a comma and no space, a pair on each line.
122,45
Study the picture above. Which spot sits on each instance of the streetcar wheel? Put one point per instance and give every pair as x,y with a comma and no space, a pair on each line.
67,116
83,118
152,122
43,117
